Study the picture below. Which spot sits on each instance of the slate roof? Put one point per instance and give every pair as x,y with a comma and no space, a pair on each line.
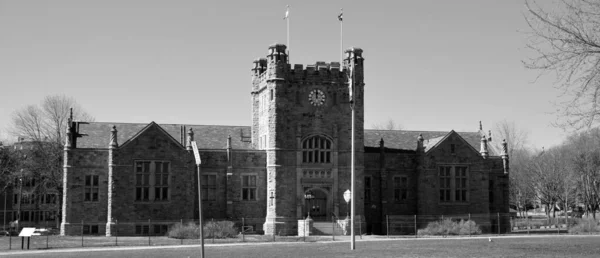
407,140
206,136
215,136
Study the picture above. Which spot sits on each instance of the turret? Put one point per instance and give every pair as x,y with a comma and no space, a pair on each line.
484,147
504,156
276,62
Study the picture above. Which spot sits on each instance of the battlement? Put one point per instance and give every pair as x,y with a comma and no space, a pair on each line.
276,66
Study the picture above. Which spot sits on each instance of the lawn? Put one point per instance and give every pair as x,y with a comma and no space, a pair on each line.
513,246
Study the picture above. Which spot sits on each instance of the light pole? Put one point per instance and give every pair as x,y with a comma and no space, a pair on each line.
347,198
20,200
309,196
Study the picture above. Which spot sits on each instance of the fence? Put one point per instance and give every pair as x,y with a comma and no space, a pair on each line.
152,232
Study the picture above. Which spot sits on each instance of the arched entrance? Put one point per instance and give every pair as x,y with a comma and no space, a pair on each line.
317,205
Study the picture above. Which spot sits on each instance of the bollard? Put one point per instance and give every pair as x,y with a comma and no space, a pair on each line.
149,226
116,232
416,231
82,233
469,224
333,228
274,229
47,234
498,223
387,225
304,233
181,224
360,226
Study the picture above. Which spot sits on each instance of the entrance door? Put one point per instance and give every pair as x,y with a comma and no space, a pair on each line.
318,205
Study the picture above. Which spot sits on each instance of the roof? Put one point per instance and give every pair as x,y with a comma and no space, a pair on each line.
215,136
407,140
206,136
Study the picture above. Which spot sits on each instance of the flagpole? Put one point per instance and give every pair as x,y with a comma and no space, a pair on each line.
341,37
287,18
352,159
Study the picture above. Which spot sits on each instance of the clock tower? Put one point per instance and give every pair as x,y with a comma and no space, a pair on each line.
301,117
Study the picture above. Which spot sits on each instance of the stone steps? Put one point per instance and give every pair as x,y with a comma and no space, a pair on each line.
326,228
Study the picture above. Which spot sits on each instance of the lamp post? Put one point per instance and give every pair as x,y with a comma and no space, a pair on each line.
20,200
308,196
347,198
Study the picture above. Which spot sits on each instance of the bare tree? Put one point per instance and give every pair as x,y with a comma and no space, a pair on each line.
566,42
585,163
390,124
44,127
521,193
547,170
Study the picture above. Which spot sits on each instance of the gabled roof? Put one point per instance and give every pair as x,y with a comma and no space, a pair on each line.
440,140
206,136
150,125
407,140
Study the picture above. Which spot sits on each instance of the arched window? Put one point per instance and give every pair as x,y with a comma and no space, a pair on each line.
316,149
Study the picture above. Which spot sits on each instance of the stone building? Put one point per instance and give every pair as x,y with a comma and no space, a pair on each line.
299,141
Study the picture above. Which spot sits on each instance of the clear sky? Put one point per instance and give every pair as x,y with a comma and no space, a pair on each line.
429,64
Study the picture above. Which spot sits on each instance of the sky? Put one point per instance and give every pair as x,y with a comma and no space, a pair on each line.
429,64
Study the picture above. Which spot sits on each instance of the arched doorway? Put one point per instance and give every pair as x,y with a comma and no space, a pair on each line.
317,205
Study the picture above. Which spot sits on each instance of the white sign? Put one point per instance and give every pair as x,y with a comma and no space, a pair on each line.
27,232
347,196
196,153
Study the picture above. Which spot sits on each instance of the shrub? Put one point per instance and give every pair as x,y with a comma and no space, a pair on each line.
212,229
220,229
187,231
585,226
449,227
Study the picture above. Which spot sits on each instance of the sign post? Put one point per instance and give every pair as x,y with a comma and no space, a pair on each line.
198,162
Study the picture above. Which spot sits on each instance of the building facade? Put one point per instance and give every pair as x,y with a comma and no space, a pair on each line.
298,142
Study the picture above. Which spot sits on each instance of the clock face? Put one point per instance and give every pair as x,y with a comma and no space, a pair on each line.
316,97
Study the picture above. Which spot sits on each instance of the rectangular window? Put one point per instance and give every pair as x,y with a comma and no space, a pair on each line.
400,188
161,181
90,229
142,229
209,187
91,188
367,189
249,188
445,187
460,185
491,191
160,230
152,180
453,183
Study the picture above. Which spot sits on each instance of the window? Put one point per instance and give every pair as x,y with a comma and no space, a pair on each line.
90,229
161,229
400,188
367,189
316,149
142,229
91,188
452,148
249,188
453,183
271,94
161,181
491,191
152,180
460,175
445,188
209,187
